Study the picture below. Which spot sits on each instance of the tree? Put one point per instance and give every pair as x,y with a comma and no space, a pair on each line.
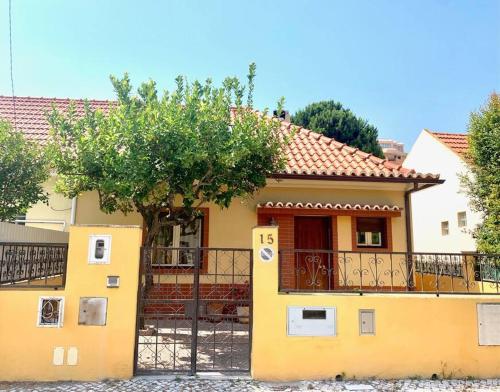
167,156
333,120
23,169
483,183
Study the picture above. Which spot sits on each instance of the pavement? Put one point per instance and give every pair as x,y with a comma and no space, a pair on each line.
211,383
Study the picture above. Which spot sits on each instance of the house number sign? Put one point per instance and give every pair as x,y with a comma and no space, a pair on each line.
266,252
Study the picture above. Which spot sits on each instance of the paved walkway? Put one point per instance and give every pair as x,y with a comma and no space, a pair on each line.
214,384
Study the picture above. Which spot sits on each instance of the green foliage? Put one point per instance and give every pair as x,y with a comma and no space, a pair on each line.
483,184
333,120
194,145
23,169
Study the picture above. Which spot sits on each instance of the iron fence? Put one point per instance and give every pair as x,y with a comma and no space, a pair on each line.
194,310
308,270
32,265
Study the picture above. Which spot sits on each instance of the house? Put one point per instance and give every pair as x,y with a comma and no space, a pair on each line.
275,284
328,188
442,217
393,151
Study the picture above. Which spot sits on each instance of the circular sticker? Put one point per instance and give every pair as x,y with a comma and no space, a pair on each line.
266,254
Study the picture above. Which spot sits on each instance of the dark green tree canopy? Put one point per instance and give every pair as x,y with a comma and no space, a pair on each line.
483,183
165,156
23,169
333,120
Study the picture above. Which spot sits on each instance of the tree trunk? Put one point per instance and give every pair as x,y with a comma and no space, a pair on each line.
152,221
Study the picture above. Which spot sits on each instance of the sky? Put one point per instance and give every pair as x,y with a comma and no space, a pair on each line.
401,65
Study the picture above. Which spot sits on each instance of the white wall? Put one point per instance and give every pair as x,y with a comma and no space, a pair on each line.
441,202
10,232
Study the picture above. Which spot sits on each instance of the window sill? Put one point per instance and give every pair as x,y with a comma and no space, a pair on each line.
371,249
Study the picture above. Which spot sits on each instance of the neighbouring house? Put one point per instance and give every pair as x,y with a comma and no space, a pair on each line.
393,151
442,217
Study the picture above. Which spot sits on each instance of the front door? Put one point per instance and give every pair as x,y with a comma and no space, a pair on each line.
313,267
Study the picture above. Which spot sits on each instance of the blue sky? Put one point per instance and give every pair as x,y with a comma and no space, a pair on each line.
402,65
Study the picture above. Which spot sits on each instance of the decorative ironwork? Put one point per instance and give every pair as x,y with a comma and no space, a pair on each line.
305,270
32,265
450,265
194,316
313,268
50,311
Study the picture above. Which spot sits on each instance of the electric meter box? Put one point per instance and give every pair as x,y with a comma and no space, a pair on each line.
99,249
93,311
311,321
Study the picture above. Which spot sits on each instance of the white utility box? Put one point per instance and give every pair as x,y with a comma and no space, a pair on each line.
99,249
488,318
93,311
367,322
311,321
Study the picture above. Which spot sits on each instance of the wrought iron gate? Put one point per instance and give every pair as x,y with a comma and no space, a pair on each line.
194,310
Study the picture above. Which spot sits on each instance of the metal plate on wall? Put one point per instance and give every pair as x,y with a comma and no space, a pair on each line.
93,311
488,317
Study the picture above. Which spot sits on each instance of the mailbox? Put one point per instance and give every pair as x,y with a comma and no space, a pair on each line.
93,311
311,321
99,249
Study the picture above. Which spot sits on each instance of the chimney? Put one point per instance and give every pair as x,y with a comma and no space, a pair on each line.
284,115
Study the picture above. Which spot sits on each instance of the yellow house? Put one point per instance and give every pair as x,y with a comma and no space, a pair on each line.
341,218
351,207
343,188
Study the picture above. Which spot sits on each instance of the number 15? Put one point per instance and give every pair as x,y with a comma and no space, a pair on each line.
268,240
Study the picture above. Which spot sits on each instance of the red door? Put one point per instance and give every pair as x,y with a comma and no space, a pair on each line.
313,267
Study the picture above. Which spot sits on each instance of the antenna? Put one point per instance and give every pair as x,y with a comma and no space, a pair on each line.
11,67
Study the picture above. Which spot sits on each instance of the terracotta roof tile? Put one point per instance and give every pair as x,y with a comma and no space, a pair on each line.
31,113
338,159
329,206
458,142
309,153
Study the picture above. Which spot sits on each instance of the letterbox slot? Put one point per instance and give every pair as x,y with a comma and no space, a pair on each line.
308,314
311,321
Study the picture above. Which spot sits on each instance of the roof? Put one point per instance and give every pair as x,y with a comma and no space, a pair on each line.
309,153
31,113
457,142
329,206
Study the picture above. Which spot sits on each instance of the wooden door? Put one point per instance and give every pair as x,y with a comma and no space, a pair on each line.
313,267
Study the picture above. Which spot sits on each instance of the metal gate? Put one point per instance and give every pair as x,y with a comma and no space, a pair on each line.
194,310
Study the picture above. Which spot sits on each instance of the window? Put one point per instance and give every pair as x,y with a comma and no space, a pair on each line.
462,219
50,312
445,228
176,238
371,232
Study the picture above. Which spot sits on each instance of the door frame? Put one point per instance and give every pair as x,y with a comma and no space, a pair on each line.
332,244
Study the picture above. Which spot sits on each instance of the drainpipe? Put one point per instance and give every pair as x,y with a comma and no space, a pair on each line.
72,218
408,223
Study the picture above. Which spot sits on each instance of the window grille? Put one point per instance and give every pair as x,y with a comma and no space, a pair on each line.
50,312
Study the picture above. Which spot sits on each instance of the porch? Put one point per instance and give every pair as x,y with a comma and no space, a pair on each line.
318,270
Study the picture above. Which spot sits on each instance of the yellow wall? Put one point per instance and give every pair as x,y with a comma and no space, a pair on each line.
231,227
416,335
57,209
103,351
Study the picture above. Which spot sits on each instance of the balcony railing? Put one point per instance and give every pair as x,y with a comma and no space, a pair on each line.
306,270
32,265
